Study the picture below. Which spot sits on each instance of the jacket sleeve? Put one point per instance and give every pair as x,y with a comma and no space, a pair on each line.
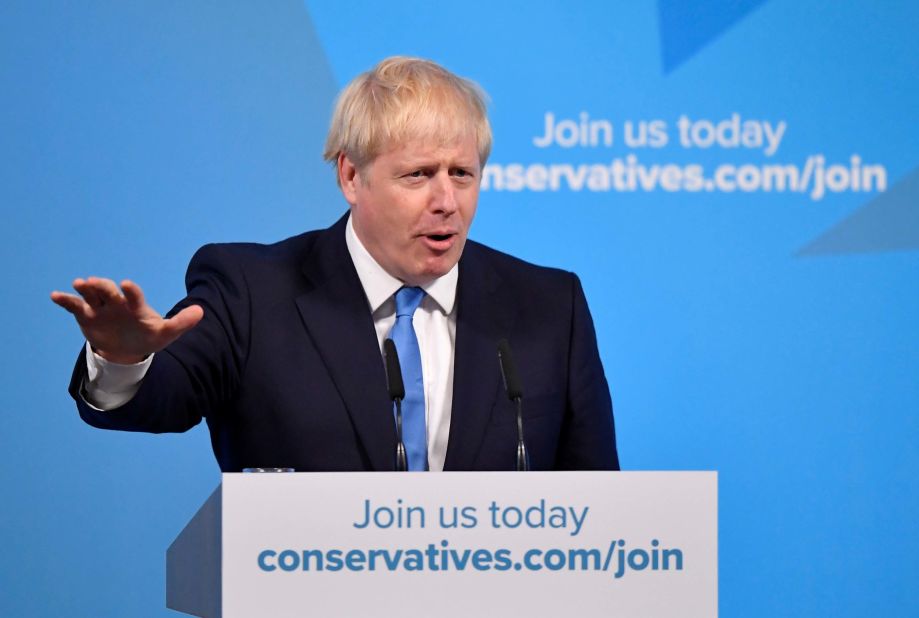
588,436
196,375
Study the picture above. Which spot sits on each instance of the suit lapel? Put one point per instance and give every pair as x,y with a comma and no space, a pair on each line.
485,314
336,315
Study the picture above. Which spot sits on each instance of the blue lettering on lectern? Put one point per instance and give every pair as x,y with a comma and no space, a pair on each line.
538,516
386,517
616,558
263,560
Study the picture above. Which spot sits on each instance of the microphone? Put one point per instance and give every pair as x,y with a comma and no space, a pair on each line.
514,393
393,371
396,394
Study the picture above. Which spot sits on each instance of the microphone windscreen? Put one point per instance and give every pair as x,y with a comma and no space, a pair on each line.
393,370
509,371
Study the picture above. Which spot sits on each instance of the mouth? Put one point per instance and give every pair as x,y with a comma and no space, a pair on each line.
439,242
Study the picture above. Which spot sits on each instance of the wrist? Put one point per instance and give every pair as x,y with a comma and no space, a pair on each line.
120,359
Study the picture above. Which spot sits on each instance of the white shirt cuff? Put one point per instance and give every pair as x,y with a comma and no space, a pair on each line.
110,385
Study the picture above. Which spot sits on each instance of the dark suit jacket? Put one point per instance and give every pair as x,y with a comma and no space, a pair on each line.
286,368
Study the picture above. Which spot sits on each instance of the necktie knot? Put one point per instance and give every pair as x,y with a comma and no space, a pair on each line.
407,300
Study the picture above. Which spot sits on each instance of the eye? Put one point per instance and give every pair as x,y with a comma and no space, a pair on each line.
418,174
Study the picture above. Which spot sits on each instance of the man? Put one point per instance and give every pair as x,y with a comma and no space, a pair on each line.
278,346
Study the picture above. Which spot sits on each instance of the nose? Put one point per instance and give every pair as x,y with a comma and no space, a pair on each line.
444,198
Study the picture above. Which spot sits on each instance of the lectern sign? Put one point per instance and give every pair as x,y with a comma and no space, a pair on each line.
468,544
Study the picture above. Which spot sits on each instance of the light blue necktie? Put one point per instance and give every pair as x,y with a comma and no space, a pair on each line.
413,421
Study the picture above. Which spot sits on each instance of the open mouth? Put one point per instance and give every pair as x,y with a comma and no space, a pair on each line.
439,242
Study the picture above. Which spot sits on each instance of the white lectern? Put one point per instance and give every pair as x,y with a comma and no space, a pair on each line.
451,544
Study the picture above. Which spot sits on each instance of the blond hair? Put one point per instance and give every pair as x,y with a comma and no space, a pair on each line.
402,99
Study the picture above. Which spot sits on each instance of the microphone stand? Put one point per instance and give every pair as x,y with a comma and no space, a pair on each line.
523,458
401,457
515,394
396,394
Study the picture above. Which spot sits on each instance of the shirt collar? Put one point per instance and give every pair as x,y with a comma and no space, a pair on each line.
379,286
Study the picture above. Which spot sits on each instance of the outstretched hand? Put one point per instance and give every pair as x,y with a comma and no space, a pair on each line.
119,324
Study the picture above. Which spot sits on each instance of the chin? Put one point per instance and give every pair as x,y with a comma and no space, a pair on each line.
441,268
428,273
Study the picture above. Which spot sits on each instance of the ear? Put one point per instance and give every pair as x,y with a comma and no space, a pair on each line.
348,178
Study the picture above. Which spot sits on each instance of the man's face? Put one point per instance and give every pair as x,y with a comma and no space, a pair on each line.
412,206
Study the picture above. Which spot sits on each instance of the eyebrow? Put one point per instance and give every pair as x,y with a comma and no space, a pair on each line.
411,161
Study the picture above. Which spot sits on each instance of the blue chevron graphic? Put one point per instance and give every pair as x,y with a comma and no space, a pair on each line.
889,222
687,27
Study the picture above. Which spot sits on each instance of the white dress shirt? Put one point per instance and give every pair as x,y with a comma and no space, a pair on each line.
111,385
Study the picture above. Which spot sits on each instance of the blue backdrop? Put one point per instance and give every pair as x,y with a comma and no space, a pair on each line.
736,182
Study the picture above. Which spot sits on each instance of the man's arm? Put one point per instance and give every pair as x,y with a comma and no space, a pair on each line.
196,360
588,439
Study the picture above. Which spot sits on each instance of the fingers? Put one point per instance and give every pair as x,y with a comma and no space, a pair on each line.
100,295
183,321
133,295
71,303
98,292
83,287
108,291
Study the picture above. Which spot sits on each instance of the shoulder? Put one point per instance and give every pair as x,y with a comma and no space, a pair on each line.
257,265
515,271
539,293
249,253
